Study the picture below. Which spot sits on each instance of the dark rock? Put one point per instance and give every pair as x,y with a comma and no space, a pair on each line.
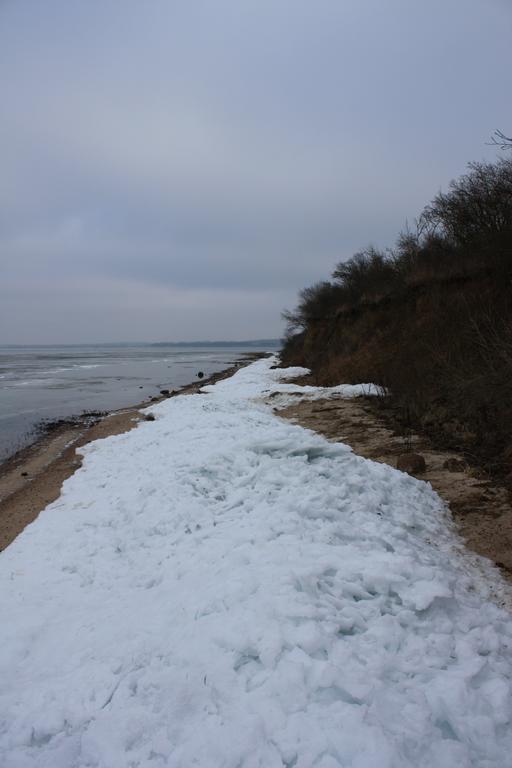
454,465
24,474
200,375
412,463
165,392
153,399
149,417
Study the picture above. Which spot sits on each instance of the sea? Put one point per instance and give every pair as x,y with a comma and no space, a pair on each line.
44,383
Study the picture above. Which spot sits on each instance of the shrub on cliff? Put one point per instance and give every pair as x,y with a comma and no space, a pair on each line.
431,319
367,276
477,207
466,229
315,302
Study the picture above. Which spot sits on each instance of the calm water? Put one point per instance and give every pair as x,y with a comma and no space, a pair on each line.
55,382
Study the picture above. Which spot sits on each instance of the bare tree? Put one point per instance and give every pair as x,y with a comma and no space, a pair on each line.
498,139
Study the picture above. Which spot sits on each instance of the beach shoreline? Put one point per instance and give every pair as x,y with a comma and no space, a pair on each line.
32,477
202,576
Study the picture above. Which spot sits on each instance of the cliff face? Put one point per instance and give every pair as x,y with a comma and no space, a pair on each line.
429,320
443,349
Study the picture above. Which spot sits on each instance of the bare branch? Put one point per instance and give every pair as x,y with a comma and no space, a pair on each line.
498,139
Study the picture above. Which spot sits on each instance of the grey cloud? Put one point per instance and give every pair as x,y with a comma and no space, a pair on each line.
229,147
110,310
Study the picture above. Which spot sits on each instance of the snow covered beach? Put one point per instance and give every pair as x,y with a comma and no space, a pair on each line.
222,588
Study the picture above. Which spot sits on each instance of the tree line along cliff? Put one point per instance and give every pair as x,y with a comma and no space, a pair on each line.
430,319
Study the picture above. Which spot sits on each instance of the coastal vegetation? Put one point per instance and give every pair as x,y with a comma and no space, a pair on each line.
429,320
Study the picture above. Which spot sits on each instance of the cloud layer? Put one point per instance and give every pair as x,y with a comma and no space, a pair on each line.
180,170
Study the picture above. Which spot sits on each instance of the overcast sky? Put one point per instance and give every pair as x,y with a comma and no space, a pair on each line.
179,169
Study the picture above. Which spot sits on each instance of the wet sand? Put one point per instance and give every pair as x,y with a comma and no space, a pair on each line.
33,477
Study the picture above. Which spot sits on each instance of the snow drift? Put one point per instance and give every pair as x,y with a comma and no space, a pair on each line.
222,588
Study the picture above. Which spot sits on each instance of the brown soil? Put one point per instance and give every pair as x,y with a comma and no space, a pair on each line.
481,509
33,478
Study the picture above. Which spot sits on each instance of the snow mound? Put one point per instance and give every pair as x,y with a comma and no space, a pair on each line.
285,393
222,588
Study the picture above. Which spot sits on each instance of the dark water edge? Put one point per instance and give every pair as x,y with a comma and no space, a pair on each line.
41,388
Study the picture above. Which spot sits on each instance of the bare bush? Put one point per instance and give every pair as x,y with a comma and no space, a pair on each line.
478,205
316,302
367,276
431,320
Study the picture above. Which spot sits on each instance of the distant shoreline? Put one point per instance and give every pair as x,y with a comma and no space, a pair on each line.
32,478
257,343
56,384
